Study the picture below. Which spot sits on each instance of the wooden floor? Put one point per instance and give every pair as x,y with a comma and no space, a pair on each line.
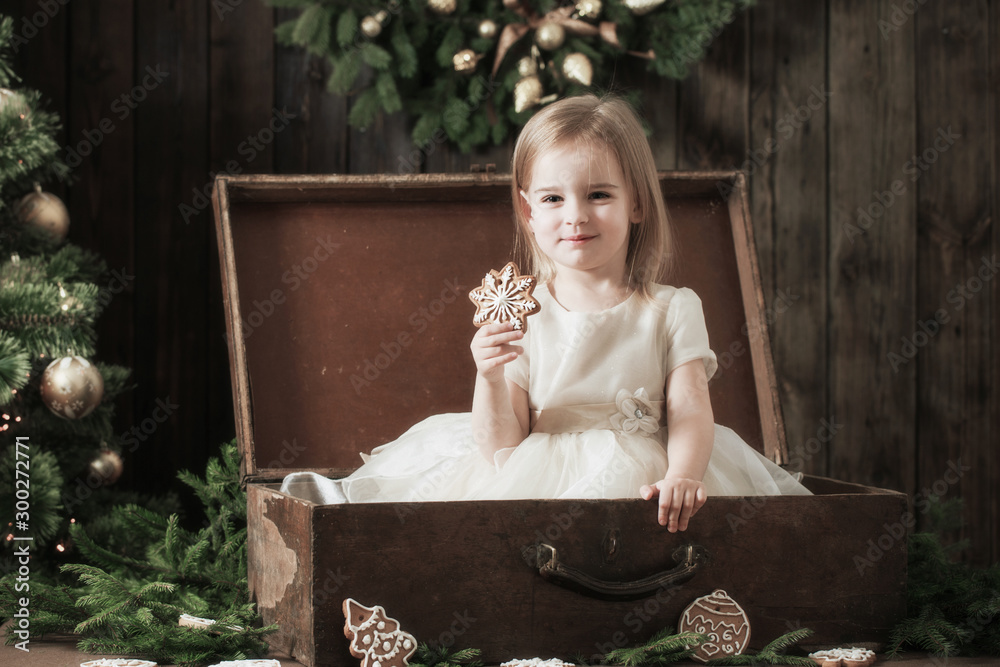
62,653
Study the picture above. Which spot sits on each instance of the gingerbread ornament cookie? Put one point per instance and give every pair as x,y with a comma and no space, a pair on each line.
724,622
375,638
504,296
844,657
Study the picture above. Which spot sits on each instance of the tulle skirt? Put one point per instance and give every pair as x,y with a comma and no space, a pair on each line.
437,459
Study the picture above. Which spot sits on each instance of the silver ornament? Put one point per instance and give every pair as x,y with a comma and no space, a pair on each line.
371,27
465,61
488,29
589,9
640,7
71,387
107,467
442,6
45,211
550,36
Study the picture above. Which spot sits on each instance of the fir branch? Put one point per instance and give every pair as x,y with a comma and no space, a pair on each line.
406,54
133,607
310,25
425,656
773,653
786,641
929,631
388,95
952,607
15,365
7,75
375,56
46,487
344,71
364,109
663,648
53,608
347,27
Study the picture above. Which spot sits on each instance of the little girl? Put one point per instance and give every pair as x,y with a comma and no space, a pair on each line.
606,394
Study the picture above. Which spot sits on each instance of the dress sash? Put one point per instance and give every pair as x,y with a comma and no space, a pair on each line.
578,418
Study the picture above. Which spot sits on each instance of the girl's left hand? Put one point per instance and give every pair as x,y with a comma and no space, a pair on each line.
680,498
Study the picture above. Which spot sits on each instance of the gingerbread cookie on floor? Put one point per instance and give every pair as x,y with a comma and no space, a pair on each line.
375,638
844,657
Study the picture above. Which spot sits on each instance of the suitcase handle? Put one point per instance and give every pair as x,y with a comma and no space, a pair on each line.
544,557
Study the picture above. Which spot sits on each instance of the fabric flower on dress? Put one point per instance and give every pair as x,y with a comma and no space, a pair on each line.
635,413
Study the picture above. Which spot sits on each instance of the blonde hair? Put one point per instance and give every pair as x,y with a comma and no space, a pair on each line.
611,122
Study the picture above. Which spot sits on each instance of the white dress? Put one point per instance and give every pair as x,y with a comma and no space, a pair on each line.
596,384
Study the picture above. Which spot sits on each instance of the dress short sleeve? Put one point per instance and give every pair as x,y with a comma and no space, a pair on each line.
517,370
687,335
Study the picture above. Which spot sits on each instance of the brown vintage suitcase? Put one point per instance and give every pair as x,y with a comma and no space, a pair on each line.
348,322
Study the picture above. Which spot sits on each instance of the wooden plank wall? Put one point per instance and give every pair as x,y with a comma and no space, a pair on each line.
868,131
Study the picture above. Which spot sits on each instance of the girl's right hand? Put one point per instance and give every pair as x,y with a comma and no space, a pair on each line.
492,349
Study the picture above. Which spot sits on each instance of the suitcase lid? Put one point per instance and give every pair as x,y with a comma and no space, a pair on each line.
348,320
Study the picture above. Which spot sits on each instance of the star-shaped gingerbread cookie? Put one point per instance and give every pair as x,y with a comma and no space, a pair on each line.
504,296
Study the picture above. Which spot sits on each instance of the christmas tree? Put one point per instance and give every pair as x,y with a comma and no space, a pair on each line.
58,454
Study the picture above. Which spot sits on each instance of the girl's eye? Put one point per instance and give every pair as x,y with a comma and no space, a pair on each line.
549,199
599,195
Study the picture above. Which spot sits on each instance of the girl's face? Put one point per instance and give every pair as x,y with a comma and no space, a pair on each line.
579,208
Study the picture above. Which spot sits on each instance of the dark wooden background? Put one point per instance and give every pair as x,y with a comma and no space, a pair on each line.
828,106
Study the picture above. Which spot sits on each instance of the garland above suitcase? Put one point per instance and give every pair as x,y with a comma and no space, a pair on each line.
471,71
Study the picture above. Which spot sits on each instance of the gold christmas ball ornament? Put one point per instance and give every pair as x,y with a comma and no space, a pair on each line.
382,16
371,27
107,467
72,387
442,6
722,621
488,29
465,61
527,67
527,93
45,211
550,36
640,7
578,69
589,9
